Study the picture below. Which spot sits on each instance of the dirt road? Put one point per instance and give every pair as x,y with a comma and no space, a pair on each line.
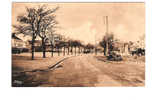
90,70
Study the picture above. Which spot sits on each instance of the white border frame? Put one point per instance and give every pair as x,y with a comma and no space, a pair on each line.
103,93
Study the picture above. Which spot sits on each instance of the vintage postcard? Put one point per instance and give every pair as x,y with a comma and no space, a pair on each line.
78,44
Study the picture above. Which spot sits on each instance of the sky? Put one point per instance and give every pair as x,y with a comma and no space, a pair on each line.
85,21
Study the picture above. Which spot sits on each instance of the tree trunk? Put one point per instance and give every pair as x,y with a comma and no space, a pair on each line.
95,51
32,48
43,47
71,50
107,49
83,49
58,52
104,51
52,50
64,51
79,49
75,50
68,50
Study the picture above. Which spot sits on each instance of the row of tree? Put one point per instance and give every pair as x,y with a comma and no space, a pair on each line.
71,47
41,22
37,22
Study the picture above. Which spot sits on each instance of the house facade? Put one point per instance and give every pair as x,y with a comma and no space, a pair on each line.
17,42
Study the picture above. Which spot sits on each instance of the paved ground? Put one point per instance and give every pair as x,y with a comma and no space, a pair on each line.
91,70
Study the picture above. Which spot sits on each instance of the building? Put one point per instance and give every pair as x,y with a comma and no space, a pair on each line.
17,42
122,47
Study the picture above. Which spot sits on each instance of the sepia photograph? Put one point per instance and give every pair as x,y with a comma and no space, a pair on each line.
59,44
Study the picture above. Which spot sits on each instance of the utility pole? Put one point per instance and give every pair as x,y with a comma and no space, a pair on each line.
107,47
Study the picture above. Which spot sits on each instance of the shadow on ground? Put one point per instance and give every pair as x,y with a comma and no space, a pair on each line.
29,79
27,58
101,58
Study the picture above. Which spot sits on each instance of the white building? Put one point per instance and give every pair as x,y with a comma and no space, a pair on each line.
17,42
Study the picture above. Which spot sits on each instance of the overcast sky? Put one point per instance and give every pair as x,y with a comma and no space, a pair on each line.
85,21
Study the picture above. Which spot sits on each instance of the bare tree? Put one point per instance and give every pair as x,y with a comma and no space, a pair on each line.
50,37
71,45
64,43
46,26
75,43
31,23
107,39
68,46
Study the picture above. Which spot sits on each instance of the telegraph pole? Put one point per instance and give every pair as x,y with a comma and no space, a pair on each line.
106,20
